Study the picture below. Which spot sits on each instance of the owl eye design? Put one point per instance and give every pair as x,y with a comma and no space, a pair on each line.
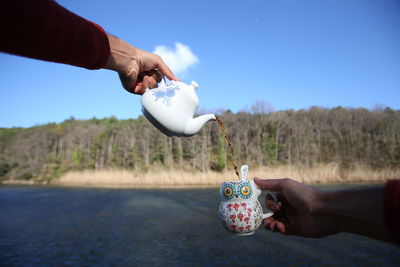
245,190
228,191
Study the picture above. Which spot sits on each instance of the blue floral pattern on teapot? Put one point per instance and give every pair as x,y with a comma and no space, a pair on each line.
166,94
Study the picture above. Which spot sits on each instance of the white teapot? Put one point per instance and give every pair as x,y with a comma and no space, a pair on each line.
170,108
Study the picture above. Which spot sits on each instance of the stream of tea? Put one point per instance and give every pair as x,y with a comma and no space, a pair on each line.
228,141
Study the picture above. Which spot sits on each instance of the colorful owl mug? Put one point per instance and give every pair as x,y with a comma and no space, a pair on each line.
240,211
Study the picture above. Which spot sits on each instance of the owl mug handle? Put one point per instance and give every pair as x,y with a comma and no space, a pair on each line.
243,171
275,198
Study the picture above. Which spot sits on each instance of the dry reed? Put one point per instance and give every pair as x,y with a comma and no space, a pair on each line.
328,173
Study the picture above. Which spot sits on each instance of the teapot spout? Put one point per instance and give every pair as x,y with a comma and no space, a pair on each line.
194,125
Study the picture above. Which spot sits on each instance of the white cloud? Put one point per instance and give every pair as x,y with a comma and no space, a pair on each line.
178,59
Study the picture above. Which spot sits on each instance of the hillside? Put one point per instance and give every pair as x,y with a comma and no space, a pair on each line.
348,139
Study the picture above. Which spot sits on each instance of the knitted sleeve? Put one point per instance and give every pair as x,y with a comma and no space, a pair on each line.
43,29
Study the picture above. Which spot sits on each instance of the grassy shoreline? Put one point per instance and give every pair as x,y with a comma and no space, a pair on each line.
163,178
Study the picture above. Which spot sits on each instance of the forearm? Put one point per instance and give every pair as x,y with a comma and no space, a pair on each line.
359,211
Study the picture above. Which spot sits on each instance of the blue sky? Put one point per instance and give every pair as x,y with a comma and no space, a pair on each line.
291,54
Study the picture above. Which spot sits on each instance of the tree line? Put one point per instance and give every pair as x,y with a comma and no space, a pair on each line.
309,137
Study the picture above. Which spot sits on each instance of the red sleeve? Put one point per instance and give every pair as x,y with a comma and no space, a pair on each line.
43,29
392,208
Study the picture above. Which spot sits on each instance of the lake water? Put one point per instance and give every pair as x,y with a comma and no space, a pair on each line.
147,227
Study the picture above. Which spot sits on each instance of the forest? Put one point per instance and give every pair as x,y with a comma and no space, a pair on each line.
345,136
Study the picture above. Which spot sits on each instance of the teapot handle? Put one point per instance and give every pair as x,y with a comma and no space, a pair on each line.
159,75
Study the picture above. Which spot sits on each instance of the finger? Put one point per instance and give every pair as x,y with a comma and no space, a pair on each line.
273,226
276,226
281,227
267,223
284,226
268,220
272,205
145,83
269,184
139,89
163,68
152,83
154,74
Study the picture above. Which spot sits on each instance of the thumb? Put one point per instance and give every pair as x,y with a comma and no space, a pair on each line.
269,184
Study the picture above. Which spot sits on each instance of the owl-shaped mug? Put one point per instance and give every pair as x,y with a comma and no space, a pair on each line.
240,211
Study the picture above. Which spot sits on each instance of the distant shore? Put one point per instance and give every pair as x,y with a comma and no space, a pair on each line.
322,174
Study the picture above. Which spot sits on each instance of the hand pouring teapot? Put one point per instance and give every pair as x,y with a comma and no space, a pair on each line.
170,108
